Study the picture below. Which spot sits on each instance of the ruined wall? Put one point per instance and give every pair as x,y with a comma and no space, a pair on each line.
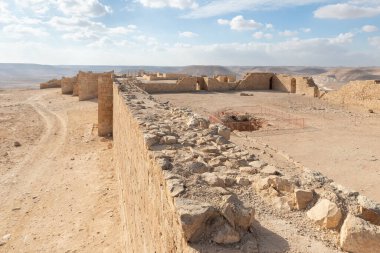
174,76
87,85
67,85
213,84
187,84
75,85
105,104
284,83
151,221
255,81
51,84
306,86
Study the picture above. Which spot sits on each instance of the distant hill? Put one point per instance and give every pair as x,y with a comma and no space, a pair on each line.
29,75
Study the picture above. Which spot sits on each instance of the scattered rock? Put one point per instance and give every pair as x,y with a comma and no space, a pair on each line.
164,163
302,198
150,140
194,217
369,210
257,164
243,181
326,214
226,235
168,140
198,167
5,239
370,111
283,203
212,179
270,170
359,236
175,186
198,121
248,170
281,184
224,131
237,214
17,144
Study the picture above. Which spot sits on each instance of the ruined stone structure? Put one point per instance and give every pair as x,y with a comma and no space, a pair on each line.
255,81
87,85
105,101
284,83
54,83
67,84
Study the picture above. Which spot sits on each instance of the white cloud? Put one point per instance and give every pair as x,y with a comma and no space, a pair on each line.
219,7
269,26
188,34
179,4
37,6
342,38
374,41
369,28
23,30
239,23
350,10
288,33
261,35
83,8
306,30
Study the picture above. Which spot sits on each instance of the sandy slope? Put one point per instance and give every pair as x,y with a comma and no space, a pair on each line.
58,191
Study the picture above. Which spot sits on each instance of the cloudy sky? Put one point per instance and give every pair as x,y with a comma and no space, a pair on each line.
184,32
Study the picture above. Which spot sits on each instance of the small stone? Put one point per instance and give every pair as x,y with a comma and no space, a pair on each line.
270,170
225,132
198,167
175,186
212,179
168,140
150,140
257,164
164,163
17,144
237,213
248,170
302,198
326,214
5,239
369,210
243,181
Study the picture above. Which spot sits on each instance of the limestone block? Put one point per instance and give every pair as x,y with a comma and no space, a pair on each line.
243,181
237,213
257,164
326,214
226,235
248,170
150,140
369,210
212,179
281,184
270,170
225,132
359,236
198,167
168,140
302,198
193,217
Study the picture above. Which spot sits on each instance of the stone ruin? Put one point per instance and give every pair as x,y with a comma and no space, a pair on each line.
186,188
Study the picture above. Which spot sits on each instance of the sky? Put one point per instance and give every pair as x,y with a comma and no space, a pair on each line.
191,32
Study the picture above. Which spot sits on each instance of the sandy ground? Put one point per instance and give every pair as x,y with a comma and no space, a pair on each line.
58,190
342,143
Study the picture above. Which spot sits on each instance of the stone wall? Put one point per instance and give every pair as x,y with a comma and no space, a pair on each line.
151,221
51,84
105,104
255,81
76,86
214,84
306,86
284,83
87,85
67,85
187,84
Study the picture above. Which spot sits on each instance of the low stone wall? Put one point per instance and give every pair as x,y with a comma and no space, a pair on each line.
255,81
67,85
213,84
187,84
76,86
51,84
105,104
284,83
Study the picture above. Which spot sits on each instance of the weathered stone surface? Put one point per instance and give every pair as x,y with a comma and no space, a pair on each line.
198,121
283,203
193,217
326,214
212,179
237,214
198,167
168,140
175,186
369,210
359,236
302,198
257,164
243,181
225,132
248,170
150,140
281,184
226,235
270,170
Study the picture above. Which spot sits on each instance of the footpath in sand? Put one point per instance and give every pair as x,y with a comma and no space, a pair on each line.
58,190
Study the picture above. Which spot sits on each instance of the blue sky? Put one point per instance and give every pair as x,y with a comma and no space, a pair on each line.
186,32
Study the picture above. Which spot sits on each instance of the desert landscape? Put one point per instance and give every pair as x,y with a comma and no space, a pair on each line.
170,162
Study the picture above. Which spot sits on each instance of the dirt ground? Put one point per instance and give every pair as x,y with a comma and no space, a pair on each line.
58,190
342,143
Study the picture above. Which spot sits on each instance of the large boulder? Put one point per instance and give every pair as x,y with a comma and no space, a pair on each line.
359,236
326,214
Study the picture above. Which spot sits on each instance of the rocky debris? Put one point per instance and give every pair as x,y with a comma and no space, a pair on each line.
224,131
270,170
243,181
326,214
197,121
243,94
198,167
257,164
248,170
168,140
164,163
281,184
150,140
369,210
212,179
359,236
17,144
237,213
5,239
283,203
194,216
302,198
226,235
175,186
